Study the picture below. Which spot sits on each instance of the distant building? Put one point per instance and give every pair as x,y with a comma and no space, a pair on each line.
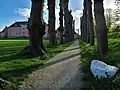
76,35
4,33
18,30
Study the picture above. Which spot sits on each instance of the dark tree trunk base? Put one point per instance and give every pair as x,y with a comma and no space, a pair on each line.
29,53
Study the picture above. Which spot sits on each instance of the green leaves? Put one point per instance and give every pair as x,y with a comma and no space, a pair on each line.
113,58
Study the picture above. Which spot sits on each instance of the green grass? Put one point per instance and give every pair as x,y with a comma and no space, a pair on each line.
88,53
16,68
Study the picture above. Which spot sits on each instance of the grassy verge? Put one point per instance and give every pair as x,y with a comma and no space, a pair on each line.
88,53
15,68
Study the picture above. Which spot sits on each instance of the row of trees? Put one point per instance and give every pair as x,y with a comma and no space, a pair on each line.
67,34
87,30
117,10
36,26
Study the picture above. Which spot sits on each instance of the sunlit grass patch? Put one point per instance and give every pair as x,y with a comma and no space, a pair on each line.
15,68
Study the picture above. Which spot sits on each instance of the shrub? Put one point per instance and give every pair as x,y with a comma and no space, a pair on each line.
115,28
114,35
88,53
114,31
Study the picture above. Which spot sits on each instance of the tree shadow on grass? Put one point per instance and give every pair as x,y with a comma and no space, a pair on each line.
17,76
16,56
30,68
22,56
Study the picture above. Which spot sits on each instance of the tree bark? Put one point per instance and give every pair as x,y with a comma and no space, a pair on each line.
90,22
101,28
51,22
61,21
85,27
81,28
70,23
66,18
85,22
36,29
71,26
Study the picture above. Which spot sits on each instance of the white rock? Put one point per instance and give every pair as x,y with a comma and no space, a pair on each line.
100,69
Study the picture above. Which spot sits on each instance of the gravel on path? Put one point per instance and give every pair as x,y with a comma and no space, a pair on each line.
62,72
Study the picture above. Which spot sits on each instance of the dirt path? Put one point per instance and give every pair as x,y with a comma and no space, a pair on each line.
60,73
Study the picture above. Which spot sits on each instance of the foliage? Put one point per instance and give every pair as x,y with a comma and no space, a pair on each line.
108,17
16,68
117,10
115,28
114,31
113,15
114,35
89,53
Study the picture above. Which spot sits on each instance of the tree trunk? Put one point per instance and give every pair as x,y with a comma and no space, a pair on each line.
51,22
85,22
36,29
101,28
81,28
66,18
71,26
90,22
61,21
85,27
70,23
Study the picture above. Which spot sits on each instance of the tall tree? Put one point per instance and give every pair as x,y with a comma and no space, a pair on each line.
71,26
101,28
73,29
90,22
85,22
117,10
66,19
61,21
81,28
51,22
36,28
108,17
